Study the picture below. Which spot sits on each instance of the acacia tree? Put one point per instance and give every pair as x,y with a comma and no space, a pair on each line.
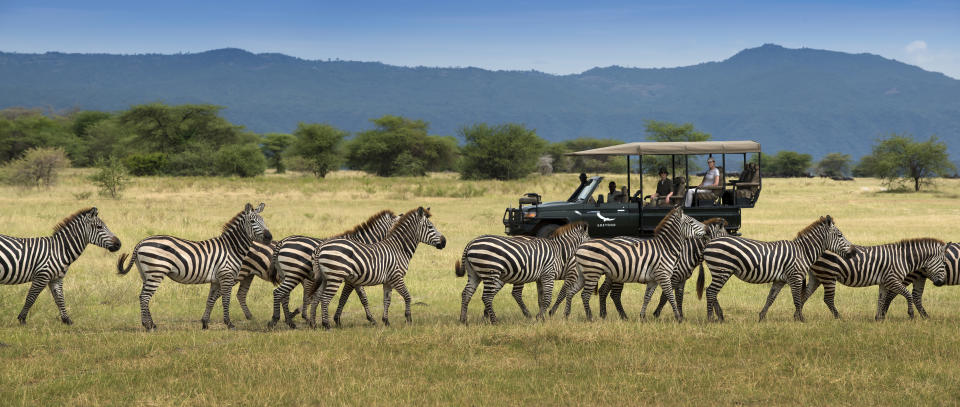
834,165
274,146
666,131
899,157
503,152
400,146
320,144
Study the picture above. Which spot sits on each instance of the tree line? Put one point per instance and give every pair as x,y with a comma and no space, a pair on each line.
195,140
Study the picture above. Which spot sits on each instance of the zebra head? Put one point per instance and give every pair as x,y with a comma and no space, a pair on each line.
690,227
254,226
834,240
935,266
97,231
714,228
427,232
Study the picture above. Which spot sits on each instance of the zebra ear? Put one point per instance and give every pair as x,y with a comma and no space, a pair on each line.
260,207
420,211
829,220
248,208
93,212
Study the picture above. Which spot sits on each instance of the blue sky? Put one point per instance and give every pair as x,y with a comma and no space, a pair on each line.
557,37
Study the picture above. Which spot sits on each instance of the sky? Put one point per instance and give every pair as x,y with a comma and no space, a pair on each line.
559,37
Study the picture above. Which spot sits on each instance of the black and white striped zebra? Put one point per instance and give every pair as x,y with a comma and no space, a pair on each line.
781,262
43,261
215,261
886,266
918,279
257,263
292,260
623,261
363,264
499,260
690,257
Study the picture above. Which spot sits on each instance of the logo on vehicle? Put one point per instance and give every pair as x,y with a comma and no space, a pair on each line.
605,219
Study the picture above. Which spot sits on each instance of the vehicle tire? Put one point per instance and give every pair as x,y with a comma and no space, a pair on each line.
546,230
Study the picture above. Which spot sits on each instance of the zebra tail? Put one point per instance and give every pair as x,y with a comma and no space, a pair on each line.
123,271
459,269
700,283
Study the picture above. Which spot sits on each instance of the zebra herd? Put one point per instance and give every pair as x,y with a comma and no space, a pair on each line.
378,252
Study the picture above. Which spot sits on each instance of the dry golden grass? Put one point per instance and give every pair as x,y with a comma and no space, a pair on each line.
107,359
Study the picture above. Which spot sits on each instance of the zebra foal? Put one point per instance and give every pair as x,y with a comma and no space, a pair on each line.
780,262
626,261
499,260
215,261
44,261
363,264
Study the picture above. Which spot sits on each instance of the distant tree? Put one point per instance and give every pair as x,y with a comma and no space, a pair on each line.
786,164
173,129
103,139
507,151
666,131
899,157
320,145
274,145
245,160
22,130
400,146
83,120
834,165
39,167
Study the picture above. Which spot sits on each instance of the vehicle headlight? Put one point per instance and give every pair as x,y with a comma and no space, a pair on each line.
528,215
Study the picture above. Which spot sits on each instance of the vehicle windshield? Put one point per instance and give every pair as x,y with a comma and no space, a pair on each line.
588,189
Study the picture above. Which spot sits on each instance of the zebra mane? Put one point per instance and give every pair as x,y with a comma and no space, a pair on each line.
921,240
405,216
366,224
665,220
817,223
66,221
566,228
226,226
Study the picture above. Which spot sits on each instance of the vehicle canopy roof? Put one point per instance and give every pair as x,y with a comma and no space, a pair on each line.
675,147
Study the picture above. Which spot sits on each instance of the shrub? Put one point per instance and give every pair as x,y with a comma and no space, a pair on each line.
145,164
38,167
400,146
242,160
111,177
197,161
503,152
320,145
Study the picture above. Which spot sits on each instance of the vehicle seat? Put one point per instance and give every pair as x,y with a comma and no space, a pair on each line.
746,188
679,191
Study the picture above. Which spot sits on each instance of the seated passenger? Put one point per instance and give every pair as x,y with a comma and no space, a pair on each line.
664,189
612,195
710,179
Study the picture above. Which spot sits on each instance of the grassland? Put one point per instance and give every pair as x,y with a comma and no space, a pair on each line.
107,359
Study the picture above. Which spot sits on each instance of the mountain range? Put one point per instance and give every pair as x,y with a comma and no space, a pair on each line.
807,100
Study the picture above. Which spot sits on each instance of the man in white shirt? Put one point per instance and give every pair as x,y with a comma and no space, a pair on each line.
711,178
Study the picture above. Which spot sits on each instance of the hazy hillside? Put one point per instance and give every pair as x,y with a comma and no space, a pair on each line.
800,99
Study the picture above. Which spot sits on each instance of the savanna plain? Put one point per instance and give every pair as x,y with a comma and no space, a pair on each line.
106,358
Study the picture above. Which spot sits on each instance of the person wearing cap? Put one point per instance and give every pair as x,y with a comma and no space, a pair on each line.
664,188
710,179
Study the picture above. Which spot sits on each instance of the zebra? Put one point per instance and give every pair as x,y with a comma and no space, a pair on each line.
257,263
292,259
918,279
215,261
691,256
642,261
886,266
781,262
497,260
44,261
362,264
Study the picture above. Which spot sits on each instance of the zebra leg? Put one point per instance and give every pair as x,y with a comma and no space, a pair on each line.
774,291
281,295
796,291
407,300
884,298
615,290
490,289
667,286
589,284
323,295
39,283
812,283
678,293
386,304
717,280
362,294
899,288
309,286
602,295
651,287
647,296
561,295
242,295
211,299
150,285
544,292
829,293
56,289
344,296
226,289
517,293
472,283
918,297
578,282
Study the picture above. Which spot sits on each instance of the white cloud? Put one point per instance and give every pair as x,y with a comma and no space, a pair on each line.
916,46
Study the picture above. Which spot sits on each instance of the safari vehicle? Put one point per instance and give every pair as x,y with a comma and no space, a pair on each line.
632,215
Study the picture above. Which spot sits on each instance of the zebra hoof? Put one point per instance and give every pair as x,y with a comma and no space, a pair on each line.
410,318
232,327
295,313
272,323
386,322
248,315
336,320
66,321
325,326
22,319
291,324
205,324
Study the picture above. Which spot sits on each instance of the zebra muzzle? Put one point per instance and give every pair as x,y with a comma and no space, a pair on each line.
442,244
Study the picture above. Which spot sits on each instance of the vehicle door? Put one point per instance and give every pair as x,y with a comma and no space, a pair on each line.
612,219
